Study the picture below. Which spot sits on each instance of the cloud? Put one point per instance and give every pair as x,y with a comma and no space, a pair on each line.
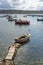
22,4
15,2
0,3
41,0
26,4
4,4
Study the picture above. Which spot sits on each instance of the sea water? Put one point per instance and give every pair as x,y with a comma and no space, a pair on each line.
31,53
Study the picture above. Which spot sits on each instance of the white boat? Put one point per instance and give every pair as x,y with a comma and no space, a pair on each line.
23,38
10,18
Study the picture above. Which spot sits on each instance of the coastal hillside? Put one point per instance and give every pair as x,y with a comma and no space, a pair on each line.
20,12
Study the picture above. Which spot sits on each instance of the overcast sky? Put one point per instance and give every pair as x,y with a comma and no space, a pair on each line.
22,4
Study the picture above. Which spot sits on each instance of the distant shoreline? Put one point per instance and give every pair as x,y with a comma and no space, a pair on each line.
20,12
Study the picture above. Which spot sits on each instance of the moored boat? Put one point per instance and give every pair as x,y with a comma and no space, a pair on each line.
40,19
23,38
15,16
10,18
22,22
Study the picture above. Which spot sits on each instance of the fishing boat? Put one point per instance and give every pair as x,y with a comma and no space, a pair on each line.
22,22
23,38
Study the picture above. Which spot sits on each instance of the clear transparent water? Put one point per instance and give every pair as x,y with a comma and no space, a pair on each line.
30,53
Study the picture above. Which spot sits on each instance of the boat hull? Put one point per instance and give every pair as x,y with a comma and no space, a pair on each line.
39,19
22,22
11,19
22,40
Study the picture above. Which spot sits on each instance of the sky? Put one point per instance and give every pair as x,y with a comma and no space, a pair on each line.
22,4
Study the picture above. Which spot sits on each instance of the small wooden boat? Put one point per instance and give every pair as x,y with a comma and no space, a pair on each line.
22,22
23,38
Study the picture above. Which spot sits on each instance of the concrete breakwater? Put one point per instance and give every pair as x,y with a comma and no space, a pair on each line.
9,59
